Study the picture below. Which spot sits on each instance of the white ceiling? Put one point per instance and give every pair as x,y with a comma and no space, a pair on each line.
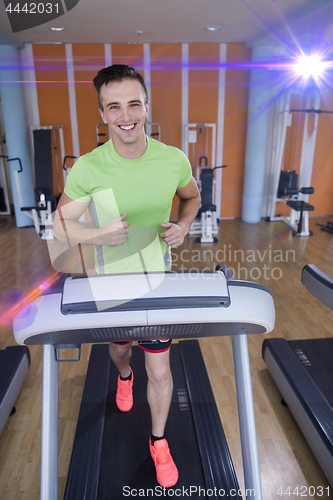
179,21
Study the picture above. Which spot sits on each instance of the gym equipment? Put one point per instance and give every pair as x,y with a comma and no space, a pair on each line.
66,169
211,198
147,306
303,373
39,213
45,149
100,134
4,177
192,130
207,225
155,134
328,228
14,365
4,194
297,221
282,118
46,154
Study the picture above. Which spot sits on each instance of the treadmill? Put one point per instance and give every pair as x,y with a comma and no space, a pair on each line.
303,372
110,449
14,366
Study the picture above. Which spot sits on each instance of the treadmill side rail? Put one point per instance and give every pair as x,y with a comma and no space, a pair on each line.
311,410
319,284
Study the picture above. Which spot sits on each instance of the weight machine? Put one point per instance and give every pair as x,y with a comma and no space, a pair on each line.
38,213
328,228
298,196
206,223
155,134
288,188
4,195
100,134
46,155
4,177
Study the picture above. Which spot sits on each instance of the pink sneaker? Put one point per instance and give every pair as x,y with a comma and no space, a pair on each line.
166,470
124,396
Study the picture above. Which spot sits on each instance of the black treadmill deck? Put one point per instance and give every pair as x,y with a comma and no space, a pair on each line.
316,356
111,455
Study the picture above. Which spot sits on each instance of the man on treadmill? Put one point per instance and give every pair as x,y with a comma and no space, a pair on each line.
128,185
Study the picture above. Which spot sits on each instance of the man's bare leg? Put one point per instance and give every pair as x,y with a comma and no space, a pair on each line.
159,393
159,389
121,355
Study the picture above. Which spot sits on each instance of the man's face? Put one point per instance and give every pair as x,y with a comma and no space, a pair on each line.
124,110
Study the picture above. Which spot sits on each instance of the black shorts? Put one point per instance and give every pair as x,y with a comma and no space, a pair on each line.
151,345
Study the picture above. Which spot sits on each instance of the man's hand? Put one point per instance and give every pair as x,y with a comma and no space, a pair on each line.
114,233
174,234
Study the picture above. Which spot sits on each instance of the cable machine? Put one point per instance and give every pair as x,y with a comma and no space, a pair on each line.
4,193
199,136
294,193
47,166
4,175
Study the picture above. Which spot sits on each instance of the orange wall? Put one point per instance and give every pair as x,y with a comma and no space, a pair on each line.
130,54
166,91
87,59
166,97
203,83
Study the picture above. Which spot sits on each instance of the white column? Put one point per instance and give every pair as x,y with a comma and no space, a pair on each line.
72,100
257,133
185,62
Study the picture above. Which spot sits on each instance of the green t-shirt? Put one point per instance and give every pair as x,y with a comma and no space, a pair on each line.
143,188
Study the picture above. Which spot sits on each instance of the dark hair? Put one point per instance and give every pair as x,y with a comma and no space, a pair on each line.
117,73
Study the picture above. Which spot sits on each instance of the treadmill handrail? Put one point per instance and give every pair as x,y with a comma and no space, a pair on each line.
319,284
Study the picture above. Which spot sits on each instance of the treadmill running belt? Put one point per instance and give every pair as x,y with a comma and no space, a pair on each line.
111,458
125,442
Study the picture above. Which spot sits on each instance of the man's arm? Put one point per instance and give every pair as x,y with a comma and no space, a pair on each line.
188,209
67,228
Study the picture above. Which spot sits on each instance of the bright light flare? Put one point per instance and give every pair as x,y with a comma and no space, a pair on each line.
21,302
310,66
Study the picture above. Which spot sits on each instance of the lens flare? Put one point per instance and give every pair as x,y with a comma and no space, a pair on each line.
20,302
310,66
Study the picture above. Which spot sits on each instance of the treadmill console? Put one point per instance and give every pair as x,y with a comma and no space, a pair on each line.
144,292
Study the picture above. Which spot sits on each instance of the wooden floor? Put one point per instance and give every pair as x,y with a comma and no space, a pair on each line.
264,252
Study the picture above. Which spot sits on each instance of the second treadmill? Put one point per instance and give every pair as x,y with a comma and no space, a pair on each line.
303,372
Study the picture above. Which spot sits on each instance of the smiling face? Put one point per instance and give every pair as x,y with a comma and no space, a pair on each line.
125,111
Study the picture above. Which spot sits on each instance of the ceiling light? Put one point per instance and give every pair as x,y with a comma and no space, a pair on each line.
212,28
56,28
139,32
